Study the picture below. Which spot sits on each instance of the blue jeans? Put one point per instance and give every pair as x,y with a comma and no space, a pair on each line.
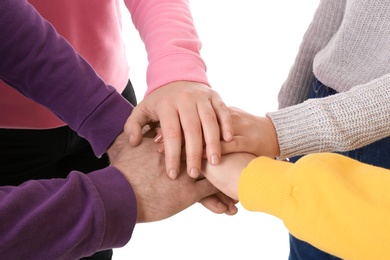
377,153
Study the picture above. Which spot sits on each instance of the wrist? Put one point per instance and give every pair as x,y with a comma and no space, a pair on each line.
273,138
116,146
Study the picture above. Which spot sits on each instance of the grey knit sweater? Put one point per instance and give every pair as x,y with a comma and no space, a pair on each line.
347,47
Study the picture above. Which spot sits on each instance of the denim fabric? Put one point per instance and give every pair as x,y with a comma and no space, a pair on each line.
377,153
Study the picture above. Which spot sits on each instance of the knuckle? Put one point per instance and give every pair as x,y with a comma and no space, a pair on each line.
172,133
209,117
192,131
194,157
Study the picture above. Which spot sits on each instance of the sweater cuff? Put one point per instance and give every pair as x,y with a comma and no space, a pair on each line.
186,67
106,122
120,206
264,186
297,129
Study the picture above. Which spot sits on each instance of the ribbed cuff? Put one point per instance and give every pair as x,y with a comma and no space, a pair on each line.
120,206
298,128
264,186
187,67
106,123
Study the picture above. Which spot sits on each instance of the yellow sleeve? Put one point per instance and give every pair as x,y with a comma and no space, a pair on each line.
335,203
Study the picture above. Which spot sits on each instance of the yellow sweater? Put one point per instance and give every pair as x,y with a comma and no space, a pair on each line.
335,203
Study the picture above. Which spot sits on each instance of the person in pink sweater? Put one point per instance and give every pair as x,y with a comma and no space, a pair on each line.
178,97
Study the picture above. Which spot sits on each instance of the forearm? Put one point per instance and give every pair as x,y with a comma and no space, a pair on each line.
44,67
66,218
341,122
172,43
333,202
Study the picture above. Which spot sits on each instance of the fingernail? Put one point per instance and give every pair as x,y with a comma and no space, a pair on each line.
228,136
214,159
194,172
158,138
131,139
172,174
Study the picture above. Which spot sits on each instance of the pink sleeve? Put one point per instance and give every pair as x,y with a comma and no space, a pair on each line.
172,43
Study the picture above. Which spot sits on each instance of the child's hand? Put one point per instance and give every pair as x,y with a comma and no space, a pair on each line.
225,176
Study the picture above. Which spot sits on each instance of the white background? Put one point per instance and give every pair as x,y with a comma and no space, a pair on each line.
249,47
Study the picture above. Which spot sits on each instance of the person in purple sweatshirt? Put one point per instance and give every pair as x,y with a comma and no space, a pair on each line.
87,212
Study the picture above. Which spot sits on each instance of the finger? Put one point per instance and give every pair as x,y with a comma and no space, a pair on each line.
134,124
160,149
204,188
224,118
213,204
171,131
159,137
215,201
211,132
147,131
228,202
238,144
192,132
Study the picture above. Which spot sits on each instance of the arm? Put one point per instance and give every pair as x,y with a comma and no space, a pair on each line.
316,125
178,95
79,97
348,120
87,213
341,122
85,216
319,190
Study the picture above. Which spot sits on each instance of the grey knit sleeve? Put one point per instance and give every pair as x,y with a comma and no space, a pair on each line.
326,22
341,122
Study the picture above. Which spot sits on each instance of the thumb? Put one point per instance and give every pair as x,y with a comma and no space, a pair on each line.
204,188
134,124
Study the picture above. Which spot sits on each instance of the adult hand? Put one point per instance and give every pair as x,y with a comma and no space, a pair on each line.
252,134
159,197
225,176
220,203
184,108
117,146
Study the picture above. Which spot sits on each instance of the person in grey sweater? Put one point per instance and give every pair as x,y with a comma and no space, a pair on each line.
336,97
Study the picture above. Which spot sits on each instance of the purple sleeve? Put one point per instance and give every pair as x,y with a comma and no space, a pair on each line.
73,217
66,218
44,67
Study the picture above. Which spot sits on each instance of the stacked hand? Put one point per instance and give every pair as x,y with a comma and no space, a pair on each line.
158,196
226,175
192,116
254,136
184,109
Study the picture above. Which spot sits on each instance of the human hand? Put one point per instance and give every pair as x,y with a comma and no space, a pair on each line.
225,176
252,134
189,108
220,203
121,141
159,197
117,146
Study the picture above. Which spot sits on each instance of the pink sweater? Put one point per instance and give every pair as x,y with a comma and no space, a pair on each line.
93,27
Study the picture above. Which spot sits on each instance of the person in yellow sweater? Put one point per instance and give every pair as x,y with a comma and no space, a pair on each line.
335,203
